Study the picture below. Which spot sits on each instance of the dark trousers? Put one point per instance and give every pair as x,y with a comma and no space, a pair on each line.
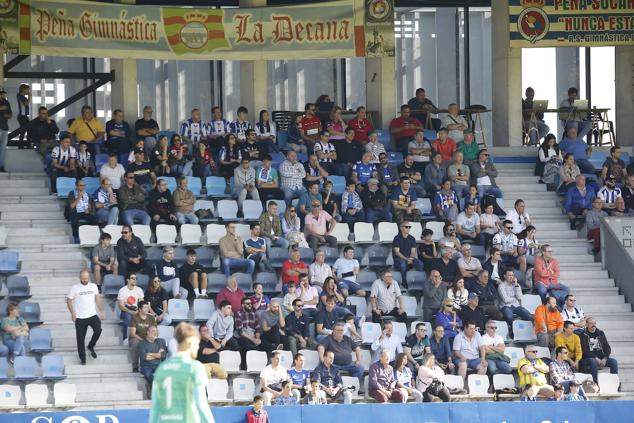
443,395
314,242
23,121
81,327
590,365
76,218
147,370
272,338
401,317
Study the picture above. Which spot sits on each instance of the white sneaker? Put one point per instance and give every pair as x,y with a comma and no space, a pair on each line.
125,342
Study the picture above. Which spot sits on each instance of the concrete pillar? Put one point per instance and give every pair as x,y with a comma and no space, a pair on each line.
254,77
125,91
446,70
624,99
380,88
506,72
567,69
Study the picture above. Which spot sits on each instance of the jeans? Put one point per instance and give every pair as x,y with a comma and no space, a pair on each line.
401,266
498,367
347,285
290,193
184,218
383,215
4,140
558,291
519,311
150,143
228,263
314,242
355,371
351,219
585,166
126,319
173,286
536,131
109,216
131,216
18,345
591,365
280,242
489,190
147,370
183,169
461,191
75,218
81,327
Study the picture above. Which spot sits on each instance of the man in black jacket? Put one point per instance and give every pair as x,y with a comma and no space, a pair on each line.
131,252
43,131
348,152
375,203
161,205
596,350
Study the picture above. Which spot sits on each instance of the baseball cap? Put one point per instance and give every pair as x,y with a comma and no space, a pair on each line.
467,131
472,295
373,181
139,151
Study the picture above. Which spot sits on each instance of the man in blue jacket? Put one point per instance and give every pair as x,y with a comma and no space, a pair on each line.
577,147
578,200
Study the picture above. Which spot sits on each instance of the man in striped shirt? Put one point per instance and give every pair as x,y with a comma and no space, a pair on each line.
609,193
240,126
63,161
217,129
193,130
292,174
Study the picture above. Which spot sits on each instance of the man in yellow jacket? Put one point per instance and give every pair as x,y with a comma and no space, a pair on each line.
572,342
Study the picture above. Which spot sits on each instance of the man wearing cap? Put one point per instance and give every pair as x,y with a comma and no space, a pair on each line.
318,225
444,145
142,170
375,203
404,252
5,115
469,147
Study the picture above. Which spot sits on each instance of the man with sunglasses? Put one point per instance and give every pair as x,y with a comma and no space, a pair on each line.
498,362
532,370
81,208
483,172
247,329
506,242
131,252
298,329
128,299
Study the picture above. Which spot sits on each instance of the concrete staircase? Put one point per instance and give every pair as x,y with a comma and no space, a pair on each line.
594,290
38,231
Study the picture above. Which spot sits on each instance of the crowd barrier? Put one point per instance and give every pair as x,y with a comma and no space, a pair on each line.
472,412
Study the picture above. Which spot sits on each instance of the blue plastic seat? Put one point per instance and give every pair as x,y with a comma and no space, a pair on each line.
170,181
41,340
195,185
53,367
252,209
394,158
9,262
100,160
30,312
597,158
282,139
277,256
268,280
25,368
215,282
277,159
18,287
415,280
216,186
338,183
430,134
112,284
92,184
205,256
228,210
245,280
4,369
64,185
302,157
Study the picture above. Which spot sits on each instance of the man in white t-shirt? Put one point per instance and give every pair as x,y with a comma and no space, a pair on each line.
128,300
469,352
494,350
271,378
309,296
113,170
346,268
518,216
84,305
468,225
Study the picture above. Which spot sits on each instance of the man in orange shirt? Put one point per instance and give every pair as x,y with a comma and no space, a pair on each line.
548,323
546,277
445,146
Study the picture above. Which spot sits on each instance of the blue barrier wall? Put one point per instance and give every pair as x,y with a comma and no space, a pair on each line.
472,412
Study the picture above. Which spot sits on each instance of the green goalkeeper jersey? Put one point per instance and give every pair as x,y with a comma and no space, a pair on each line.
178,392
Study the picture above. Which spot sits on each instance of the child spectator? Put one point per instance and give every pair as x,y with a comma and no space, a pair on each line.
258,299
350,329
257,414
290,296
